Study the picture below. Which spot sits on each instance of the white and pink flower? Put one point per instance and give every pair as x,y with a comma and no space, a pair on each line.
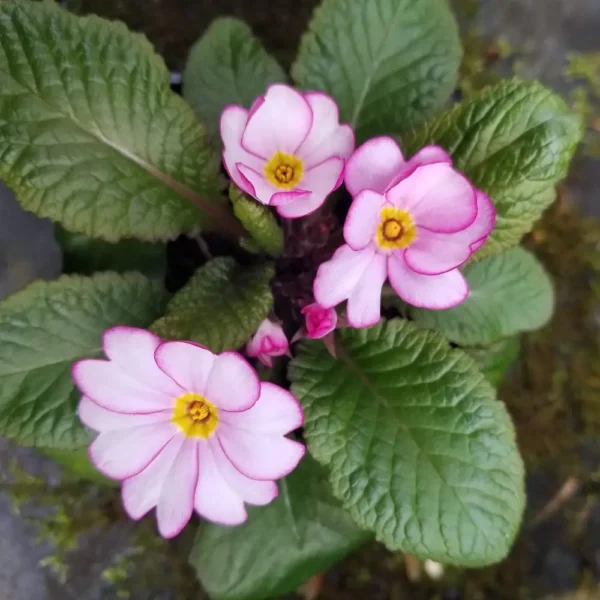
185,429
318,321
268,341
288,151
412,222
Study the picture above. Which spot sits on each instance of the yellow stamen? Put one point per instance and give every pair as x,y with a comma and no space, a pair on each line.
195,415
396,229
284,170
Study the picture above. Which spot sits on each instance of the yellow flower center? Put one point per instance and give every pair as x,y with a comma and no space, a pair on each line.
396,229
195,415
284,170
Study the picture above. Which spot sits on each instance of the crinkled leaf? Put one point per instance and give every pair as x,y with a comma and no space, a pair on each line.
91,135
44,329
514,141
495,360
227,65
85,255
258,220
389,63
418,448
509,293
220,307
302,533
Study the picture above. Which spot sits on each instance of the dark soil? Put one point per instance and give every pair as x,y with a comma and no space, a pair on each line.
174,25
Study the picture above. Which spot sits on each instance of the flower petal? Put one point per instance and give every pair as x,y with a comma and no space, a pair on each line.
120,454
437,197
269,340
363,218
283,198
301,206
373,165
232,384
318,321
281,123
425,156
321,180
187,363
338,277
260,100
276,412
233,123
132,350
176,503
429,155
326,137
477,233
141,492
215,499
266,360
101,419
436,292
364,304
257,185
260,456
249,490
109,386
436,253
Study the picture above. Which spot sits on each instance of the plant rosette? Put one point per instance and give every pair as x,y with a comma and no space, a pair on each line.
374,423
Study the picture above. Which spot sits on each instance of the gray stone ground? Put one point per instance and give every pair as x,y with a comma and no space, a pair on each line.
544,29
27,252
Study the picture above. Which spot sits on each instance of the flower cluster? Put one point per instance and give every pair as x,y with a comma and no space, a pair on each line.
187,430
412,222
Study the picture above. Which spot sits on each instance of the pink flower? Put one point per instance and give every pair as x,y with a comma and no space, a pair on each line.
413,222
319,321
268,341
288,151
185,429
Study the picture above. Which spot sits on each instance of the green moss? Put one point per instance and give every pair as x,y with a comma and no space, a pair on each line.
73,508
583,70
77,507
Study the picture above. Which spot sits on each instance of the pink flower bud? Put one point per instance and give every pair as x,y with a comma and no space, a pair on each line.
319,321
268,341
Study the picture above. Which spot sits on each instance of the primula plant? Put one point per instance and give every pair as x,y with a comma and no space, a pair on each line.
288,297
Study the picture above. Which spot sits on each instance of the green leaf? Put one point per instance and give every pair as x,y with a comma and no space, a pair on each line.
78,464
44,329
390,64
220,307
510,293
495,360
85,255
515,141
227,65
302,533
91,135
418,448
258,220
